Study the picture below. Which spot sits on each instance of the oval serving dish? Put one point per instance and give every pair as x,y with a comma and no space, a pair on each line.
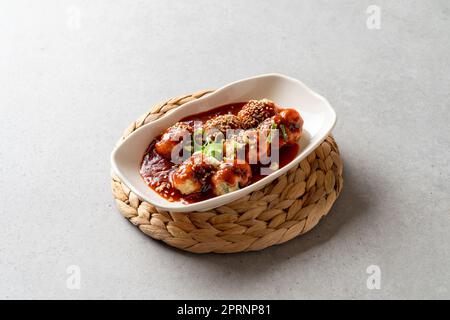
318,115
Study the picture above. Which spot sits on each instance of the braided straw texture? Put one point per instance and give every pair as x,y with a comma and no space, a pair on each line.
289,206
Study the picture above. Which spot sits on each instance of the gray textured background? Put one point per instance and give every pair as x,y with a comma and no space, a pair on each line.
67,93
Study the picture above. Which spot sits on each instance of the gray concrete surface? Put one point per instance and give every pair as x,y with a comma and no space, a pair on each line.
73,74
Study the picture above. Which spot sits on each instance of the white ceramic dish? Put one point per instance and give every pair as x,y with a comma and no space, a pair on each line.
318,115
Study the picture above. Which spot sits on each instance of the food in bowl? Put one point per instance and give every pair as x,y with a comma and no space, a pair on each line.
222,150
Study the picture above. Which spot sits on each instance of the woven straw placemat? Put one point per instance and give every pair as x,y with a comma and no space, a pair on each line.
289,206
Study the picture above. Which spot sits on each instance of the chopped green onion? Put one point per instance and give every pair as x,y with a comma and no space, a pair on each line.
213,149
283,130
273,127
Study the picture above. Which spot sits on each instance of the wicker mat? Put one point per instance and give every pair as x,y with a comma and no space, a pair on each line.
289,206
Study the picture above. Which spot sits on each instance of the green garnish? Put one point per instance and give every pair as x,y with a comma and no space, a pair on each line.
213,149
197,138
272,127
283,130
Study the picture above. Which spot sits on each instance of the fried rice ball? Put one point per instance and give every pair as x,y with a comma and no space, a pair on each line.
192,175
269,124
255,112
291,125
230,177
242,146
266,136
219,125
171,137
223,123
287,129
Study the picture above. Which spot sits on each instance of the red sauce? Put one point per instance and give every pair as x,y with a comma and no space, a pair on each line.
156,170
287,154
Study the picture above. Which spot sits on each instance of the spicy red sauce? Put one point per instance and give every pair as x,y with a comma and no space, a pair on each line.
156,170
